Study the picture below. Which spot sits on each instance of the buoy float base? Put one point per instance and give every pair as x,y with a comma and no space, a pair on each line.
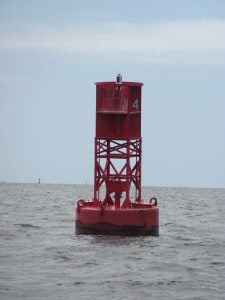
138,220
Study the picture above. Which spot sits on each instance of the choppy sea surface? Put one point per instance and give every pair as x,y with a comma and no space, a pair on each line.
42,258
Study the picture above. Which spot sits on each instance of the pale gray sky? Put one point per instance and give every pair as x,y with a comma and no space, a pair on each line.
52,52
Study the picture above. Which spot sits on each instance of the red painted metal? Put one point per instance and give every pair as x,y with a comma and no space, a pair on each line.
117,206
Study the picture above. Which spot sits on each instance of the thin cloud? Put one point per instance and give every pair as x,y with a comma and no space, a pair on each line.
190,41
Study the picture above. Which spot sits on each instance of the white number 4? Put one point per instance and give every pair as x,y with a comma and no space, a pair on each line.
135,104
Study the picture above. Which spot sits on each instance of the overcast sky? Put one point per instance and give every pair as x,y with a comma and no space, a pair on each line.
52,52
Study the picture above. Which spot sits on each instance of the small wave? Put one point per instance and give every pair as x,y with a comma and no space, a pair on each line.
4,288
164,283
25,225
78,283
166,224
60,255
7,235
215,263
134,282
63,258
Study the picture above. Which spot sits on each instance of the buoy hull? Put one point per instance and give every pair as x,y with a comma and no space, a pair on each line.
139,220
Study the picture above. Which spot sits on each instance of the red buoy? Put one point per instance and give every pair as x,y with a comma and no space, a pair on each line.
117,207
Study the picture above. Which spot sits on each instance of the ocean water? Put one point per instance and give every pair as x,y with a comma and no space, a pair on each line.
42,258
